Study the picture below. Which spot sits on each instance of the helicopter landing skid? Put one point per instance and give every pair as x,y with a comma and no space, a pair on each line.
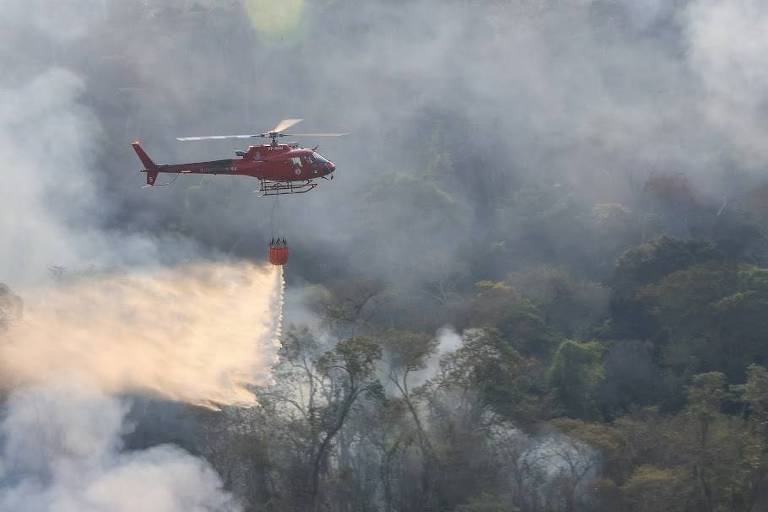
278,188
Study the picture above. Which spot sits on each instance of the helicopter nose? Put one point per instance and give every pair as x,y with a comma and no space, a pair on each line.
331,167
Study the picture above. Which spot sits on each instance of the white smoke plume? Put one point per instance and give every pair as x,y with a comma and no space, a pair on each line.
199,333
61,453
727,47
448,341
51,208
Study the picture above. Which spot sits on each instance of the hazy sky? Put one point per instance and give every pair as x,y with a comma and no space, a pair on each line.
469,118
475,98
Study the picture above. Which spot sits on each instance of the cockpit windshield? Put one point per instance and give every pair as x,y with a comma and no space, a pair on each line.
319,158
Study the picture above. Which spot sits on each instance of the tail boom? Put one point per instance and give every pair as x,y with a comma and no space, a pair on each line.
150,167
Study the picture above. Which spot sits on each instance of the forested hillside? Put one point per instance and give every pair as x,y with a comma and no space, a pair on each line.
538,282
642,391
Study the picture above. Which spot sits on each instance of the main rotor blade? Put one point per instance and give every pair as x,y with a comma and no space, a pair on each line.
284,125
220,137
315,134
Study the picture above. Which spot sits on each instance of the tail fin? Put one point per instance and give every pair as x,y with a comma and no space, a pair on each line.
150,168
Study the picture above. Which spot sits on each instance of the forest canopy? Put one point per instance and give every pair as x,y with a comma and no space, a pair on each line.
537,283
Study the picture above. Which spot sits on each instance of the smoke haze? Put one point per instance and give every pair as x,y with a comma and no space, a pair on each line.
61,452
589,97
483,134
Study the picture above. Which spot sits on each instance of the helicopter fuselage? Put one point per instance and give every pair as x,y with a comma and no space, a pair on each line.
281,162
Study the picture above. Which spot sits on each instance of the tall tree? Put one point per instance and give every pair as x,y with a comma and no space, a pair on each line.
575,374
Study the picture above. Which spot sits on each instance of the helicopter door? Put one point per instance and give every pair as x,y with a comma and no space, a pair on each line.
308,163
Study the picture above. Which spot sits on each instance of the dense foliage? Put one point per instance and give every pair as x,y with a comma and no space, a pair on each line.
511,300
645,389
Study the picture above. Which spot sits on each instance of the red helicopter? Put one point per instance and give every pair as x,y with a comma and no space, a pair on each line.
280,168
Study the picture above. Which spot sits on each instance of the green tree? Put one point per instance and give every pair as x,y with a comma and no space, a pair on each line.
655,489
756,439
566,303
653,260
497,305
574,376
643,265
349,368
317,385
510,384
714,446
713,316
346,306
756,395
406,353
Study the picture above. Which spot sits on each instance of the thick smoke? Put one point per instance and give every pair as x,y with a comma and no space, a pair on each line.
455,108
53,211
143,314
200,333
61,452
43,114
728,48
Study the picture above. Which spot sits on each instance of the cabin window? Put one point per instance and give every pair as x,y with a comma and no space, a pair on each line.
319,158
